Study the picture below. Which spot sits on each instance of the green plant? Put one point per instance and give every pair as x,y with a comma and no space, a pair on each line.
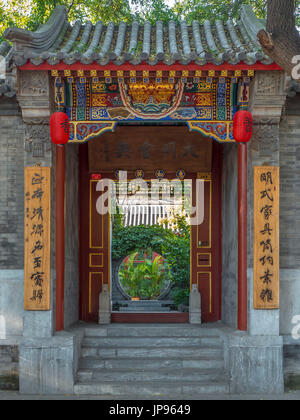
176,251
174,247
127,240
180,296
145,280
129,276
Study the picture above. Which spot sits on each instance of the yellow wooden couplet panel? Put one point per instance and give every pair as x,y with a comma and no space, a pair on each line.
37,239
266,238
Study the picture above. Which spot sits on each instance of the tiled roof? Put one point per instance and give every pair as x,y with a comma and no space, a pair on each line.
4,48
213,42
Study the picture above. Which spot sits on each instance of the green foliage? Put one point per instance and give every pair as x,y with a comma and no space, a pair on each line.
178,220
202,9
118,220
176,251
144,280
30,14
127,240
174,247
213,9
156,10
129,276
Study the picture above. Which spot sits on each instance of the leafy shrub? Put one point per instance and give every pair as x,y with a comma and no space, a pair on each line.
145,280
176,251
174,247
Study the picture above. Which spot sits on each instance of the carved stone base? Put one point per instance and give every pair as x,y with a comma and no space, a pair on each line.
195,306
255,364
104,306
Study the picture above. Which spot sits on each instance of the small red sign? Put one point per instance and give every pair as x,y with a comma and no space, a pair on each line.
96,177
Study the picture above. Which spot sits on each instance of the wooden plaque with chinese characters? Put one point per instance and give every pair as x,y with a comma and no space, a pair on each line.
266,238
37,239
150,148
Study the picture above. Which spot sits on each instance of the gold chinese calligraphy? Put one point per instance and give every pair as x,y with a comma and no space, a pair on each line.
266,238
37,239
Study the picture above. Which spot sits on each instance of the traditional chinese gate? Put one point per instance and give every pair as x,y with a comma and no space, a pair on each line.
126,102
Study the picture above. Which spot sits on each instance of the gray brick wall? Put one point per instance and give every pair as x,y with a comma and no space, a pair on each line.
263,149
11,192
290,187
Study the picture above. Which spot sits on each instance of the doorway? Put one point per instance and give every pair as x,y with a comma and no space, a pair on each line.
203,161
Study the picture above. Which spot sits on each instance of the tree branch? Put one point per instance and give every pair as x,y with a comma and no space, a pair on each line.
281,41
70,7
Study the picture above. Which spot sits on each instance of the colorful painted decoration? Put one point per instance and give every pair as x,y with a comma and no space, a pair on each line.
151,101
180,174
84,131
242,126
59,128
160,173
95,106
222,131
209,99
139,174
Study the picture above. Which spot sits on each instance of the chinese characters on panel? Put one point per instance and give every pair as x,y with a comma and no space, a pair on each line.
266,238
37,239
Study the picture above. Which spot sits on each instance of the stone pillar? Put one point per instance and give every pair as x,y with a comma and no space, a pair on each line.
256,357
34,99
47,358
267,102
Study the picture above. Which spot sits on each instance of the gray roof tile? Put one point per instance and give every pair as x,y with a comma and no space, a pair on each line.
214,42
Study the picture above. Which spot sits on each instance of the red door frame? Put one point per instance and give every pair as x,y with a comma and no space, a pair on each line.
206,257
94,255
216,269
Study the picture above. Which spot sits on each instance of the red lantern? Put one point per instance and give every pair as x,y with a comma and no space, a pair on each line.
242,126
59,128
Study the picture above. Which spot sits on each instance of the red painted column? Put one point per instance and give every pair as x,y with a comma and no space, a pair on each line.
60,236
242,238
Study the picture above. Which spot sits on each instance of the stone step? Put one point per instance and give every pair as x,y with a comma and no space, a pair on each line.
148,330
151,389
147,309
153,352
165,375
148,360
90,363
145,302
122,342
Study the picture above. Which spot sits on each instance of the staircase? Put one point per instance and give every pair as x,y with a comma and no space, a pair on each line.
151,360
145,306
